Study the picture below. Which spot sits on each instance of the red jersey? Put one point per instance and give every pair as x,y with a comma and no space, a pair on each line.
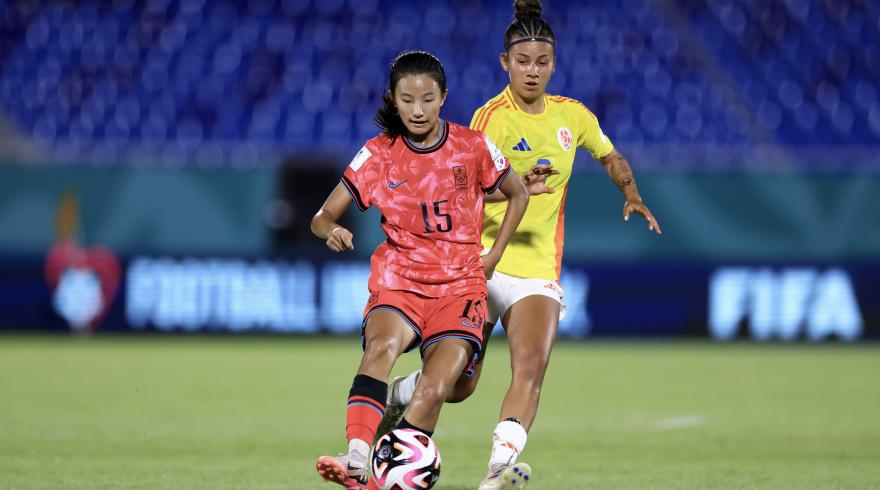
431,201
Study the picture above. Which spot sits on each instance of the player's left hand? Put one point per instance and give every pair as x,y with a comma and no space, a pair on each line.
535,179
490,260
638,207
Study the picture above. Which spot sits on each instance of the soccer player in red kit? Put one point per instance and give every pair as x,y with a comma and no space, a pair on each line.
428,281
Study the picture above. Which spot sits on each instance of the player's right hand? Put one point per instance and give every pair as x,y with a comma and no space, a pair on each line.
535,179
490,260
340,239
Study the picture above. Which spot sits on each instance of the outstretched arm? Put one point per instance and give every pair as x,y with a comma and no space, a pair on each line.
324,224
518,197
620,172
535,180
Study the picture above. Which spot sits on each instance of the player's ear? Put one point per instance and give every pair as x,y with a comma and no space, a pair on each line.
443,97
390,96
504,60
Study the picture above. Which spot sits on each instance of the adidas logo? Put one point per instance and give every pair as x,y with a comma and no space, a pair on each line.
522,146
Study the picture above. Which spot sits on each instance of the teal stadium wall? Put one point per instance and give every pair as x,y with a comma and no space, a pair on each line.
767,256
761,217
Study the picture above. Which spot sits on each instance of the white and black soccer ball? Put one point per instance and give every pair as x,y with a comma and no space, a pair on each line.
405,459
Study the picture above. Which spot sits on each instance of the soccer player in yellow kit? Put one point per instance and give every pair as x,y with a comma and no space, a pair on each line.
531,128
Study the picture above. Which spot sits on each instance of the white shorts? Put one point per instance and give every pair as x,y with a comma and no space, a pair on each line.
505,290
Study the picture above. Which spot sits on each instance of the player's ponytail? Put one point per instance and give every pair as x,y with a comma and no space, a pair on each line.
407,63
527,25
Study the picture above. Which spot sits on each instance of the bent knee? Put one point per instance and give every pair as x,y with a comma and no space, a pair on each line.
531,374
530,363
461,392
431,393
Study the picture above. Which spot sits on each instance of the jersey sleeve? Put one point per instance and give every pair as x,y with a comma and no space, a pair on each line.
590,136
488,125
493,165
475,119
361,177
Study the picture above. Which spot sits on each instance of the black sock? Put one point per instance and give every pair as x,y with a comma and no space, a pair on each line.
373,388
404,424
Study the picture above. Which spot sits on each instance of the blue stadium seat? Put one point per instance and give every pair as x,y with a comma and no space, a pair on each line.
304,76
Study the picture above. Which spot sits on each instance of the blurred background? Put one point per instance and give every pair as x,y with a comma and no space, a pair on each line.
160,160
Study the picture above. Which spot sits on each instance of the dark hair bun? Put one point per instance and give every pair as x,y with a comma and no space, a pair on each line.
527,8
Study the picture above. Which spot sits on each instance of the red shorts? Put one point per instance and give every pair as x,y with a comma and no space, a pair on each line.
433,319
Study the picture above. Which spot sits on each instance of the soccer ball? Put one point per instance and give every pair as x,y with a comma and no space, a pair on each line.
405,459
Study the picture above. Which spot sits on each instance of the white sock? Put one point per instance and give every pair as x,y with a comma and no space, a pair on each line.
403,391
508,440
359,450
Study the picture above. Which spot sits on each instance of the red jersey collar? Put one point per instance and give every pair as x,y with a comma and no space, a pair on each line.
429,149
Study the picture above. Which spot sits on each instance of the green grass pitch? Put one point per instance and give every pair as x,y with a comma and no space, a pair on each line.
254,413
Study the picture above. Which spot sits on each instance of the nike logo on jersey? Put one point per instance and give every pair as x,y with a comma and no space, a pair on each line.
392,185
522,146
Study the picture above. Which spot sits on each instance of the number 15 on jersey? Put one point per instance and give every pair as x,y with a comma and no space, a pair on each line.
431,222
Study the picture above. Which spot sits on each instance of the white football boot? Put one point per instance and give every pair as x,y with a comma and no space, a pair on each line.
507,477
394,410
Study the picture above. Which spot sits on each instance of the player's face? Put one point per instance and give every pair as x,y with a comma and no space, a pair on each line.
418,99
530,66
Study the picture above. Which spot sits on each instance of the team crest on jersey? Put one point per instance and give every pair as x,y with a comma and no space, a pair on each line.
564,137
459,176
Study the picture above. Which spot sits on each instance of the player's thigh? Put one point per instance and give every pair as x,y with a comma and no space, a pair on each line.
470,377
532,323
460,317
497,301
443,361
386,336
393,317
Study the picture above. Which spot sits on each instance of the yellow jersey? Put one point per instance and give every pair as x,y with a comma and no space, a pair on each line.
535,250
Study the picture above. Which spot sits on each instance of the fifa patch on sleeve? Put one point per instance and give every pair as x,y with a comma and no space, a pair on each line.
497,157
360,158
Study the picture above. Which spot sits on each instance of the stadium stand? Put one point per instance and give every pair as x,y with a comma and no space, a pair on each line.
216,82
